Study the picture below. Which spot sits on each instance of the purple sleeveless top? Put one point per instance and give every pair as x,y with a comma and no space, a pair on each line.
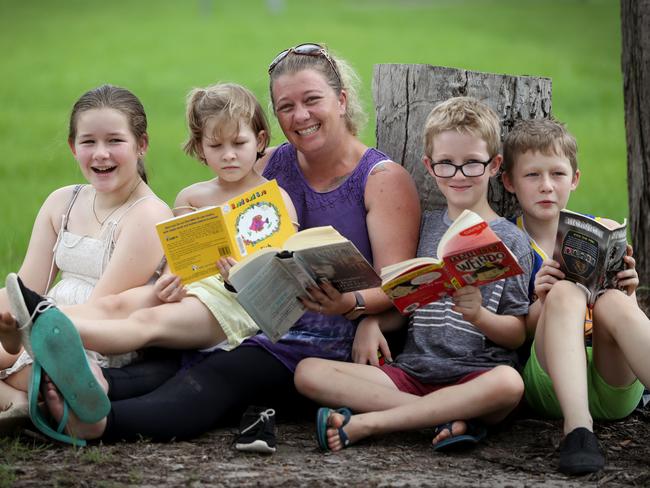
316,335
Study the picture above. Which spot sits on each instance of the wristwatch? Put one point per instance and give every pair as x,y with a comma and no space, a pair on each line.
359,307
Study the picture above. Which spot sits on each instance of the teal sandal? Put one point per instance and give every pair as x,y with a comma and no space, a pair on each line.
39,421
321,426
58,350
53,342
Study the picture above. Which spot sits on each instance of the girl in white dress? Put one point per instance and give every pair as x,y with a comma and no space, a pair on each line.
98,238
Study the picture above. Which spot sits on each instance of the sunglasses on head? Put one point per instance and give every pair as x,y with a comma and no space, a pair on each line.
307,49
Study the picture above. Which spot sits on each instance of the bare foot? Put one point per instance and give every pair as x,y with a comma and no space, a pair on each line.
355,430
9,334
74,427
458,427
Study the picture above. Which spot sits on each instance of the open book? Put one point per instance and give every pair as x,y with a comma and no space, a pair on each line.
469,253
269,281
590,252
194,242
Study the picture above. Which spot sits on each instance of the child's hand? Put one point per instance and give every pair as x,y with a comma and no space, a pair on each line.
468,301
546,277
367,341
628,279
224,265
327,300
168,288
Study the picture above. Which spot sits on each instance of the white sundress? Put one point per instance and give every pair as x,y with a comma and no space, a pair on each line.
81,261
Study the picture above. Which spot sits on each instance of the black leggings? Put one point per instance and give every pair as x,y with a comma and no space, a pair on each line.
156,400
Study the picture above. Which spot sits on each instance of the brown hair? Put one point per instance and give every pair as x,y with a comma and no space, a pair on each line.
463,114
228,102
120,99
546,136
346,79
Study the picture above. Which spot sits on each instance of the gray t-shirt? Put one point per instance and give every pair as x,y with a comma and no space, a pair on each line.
441,347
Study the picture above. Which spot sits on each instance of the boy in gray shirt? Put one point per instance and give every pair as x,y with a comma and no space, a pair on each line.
458,361
441,346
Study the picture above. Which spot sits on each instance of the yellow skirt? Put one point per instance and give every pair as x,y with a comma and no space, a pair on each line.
233,319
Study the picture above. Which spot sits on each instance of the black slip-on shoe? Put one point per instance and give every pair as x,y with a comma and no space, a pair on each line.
580,453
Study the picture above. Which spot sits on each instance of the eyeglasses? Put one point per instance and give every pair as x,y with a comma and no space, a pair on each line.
469,169
308,49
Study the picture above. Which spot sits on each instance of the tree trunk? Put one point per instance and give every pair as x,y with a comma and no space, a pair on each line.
405,94
635,26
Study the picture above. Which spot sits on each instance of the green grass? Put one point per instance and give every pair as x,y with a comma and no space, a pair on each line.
7,476
95,455
13,450
55,50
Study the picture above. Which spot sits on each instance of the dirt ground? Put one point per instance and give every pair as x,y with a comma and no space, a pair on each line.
520,454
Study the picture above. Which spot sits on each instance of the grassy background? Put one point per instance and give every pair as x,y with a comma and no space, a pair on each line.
54,50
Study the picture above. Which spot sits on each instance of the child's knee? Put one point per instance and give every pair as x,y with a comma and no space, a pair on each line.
614,304
509,385
111,305
615,309
565,294
308,375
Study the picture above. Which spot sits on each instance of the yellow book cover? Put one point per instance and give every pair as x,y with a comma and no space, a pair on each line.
194,242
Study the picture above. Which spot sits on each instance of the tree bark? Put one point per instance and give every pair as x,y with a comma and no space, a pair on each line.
405,94
635,27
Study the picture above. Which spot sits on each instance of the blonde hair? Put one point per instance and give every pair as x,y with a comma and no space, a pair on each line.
230,104
346,79
546,136
467,115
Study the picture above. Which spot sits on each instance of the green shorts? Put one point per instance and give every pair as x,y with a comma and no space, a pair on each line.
605,402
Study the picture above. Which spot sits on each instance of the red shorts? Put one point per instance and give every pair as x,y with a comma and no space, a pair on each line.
408,384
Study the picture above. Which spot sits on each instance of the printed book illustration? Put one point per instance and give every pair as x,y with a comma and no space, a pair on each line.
469,253
194,242
269,282
590,252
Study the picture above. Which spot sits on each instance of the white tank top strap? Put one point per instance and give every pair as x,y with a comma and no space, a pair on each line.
66,216
64,227
108,236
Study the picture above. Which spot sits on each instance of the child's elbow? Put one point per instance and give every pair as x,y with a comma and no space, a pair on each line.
520,332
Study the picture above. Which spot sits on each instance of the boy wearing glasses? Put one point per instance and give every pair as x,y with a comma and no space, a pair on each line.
457,370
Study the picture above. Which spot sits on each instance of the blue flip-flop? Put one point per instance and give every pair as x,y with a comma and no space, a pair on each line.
321,426
58,350
472,436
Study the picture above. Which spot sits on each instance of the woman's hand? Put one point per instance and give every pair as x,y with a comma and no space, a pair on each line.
546,277
327,300
224,265
168,288
367,341
628,279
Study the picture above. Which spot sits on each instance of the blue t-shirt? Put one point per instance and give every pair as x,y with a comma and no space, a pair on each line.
538,256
